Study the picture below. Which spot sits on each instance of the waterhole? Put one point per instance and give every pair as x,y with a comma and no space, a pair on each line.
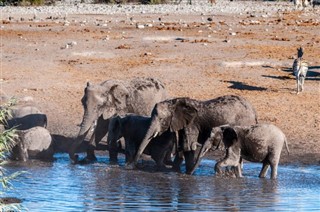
61,186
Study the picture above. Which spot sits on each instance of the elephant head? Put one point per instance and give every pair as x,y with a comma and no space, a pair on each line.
216,141
105,99
174,114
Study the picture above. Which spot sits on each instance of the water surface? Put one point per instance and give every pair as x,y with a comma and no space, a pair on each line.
61,186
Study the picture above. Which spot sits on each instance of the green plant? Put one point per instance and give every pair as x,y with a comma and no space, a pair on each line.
7,142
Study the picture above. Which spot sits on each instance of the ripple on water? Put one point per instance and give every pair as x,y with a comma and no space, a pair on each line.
61,186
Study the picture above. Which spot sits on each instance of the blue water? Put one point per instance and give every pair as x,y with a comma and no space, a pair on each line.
61,186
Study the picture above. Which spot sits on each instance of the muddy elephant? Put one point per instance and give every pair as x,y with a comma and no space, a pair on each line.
110,98
33,143
133,128
256,143
193,120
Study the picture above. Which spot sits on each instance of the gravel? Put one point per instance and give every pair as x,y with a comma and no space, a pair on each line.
198,7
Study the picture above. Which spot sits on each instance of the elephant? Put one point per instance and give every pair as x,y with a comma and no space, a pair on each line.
33,143
24,117
133,128
256,143
110,98
193,120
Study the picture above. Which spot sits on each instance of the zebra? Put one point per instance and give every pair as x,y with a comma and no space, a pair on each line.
300,69
303,3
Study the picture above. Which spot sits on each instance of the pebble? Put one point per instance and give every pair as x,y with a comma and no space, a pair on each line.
140,26
198,7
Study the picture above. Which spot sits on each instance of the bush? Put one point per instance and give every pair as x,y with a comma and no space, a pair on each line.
7,142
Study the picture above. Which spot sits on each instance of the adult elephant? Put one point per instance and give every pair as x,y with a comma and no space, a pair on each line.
114,97
193,120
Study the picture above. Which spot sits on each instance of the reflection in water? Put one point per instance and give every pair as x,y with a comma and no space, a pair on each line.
61,186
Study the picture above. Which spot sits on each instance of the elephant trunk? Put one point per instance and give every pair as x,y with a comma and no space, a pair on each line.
204,149
85,127
86,124
151,133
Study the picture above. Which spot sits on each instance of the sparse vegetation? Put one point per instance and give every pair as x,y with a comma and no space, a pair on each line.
7,141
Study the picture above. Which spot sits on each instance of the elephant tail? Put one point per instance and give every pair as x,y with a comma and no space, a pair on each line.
286,143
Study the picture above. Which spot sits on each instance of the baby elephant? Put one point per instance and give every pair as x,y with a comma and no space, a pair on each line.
133,129
257,143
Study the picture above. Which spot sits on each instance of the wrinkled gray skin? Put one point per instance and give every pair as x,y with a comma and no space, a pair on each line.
26,117
257,143
34,143
133,128
114,97
193,120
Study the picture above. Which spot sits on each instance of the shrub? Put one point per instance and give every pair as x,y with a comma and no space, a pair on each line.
7,142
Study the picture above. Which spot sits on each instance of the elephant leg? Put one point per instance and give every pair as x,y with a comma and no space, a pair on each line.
274,160
274,171
130,152
264,169
238,169
90,150
179,151
178,161
113,154
189,160
167,158
158,154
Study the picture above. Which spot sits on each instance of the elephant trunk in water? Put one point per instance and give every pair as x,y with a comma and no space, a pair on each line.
86,125
204,149
151,133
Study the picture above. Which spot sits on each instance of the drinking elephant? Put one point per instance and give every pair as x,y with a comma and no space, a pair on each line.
133,128
193,120
256,143
33,143
114,97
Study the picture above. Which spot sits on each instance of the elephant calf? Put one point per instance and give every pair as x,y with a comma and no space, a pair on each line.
256,143
133,128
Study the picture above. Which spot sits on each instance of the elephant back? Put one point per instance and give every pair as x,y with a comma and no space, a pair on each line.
145,93
233,110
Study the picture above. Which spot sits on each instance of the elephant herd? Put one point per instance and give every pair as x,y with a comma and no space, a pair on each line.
138,117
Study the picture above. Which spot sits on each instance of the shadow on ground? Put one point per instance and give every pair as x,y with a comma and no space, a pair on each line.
312,74
242,86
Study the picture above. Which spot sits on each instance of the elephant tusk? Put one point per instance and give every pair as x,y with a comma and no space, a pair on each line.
204,152
155,134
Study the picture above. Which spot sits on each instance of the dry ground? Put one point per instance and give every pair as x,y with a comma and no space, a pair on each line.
243,54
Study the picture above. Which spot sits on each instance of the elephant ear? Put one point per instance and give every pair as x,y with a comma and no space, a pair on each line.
230,136
183,114
118,96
